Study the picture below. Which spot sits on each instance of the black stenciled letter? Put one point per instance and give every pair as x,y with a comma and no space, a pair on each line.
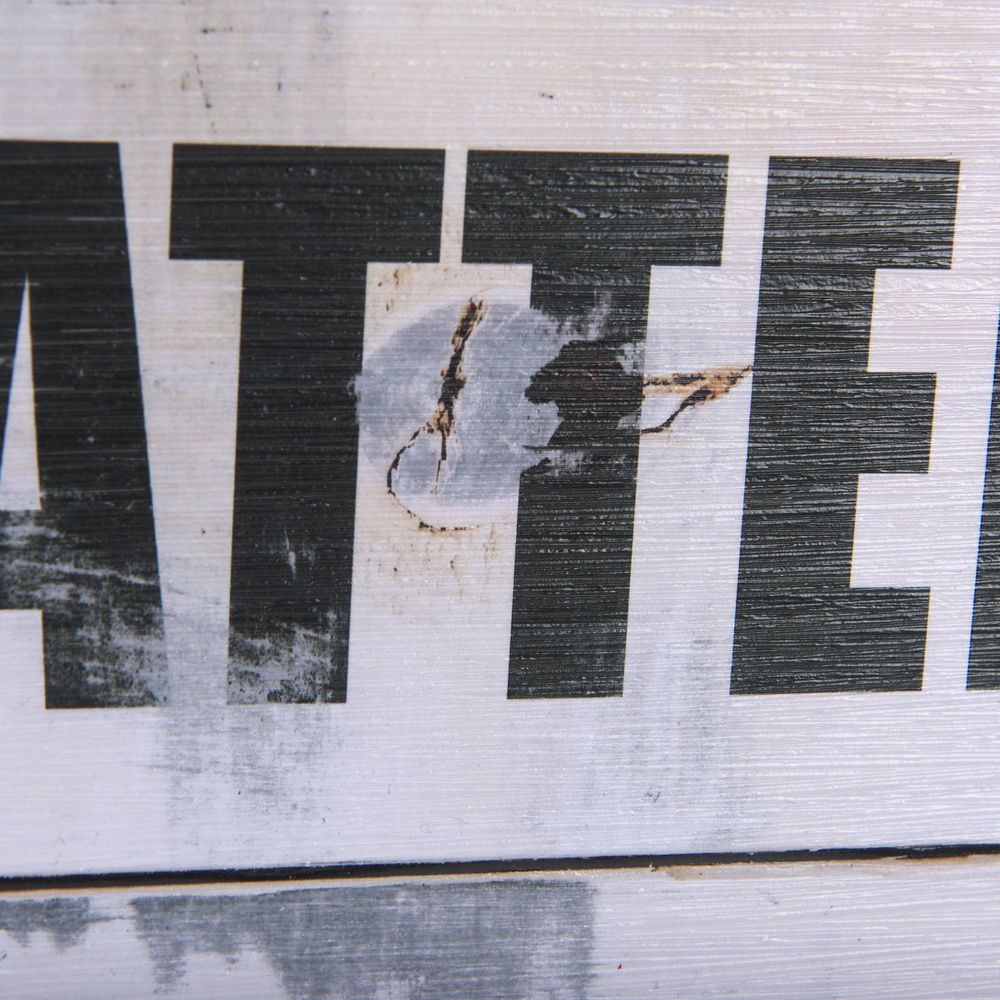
819,418
305,222
87,559
591,226
984,648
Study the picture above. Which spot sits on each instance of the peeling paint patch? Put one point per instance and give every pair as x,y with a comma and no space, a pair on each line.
493,381
453,379
468,365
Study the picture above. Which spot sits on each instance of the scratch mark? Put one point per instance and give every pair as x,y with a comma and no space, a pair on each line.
442,421
290,554
697,388
201,84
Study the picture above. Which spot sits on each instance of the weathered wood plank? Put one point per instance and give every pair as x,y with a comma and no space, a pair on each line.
906,929
460,432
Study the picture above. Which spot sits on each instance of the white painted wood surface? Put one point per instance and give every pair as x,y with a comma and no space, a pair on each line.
804,931
427,760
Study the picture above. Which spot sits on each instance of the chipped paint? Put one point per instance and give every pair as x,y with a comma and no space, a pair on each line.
694,388
490,416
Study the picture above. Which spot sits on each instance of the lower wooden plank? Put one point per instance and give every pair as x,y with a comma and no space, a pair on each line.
906,929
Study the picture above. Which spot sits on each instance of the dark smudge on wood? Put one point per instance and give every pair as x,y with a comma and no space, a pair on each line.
63,921
492,941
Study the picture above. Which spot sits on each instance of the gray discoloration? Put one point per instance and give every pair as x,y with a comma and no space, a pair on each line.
451,471
65,921
492,941
491,424
453,380
110,629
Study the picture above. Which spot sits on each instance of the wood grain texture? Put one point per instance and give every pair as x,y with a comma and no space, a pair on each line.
427,590
897,929
499,430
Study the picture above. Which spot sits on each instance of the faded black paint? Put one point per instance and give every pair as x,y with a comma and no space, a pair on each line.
819,418
64,921
305,222
503,940
88,559
984,646
591,226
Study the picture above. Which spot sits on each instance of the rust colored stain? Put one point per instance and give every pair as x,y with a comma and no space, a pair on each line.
442,420
696,388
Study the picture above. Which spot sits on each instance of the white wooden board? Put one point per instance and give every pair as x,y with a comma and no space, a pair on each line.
426,757
906,929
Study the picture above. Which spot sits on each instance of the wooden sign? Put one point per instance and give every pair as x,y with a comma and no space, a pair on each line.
441,435
888,928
